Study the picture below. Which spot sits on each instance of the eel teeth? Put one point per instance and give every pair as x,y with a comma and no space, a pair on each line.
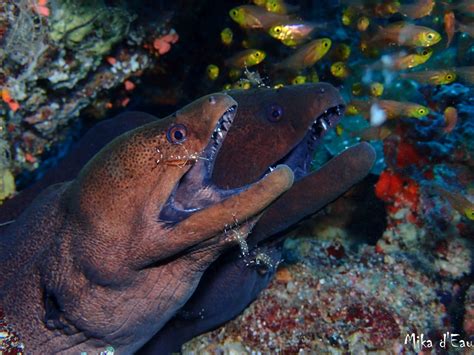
223,125
325,121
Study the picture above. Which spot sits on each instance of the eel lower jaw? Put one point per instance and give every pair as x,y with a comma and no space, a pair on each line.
300,157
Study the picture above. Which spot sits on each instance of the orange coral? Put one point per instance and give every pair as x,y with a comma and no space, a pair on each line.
6,97
388,185
163,44
41,9
392,186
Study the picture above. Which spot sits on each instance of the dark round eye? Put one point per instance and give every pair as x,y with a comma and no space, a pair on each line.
275,113
278,30
430,36
234,12
425,52
176,134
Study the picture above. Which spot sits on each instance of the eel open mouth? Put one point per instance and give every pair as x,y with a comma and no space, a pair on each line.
300,157
196,182
195,190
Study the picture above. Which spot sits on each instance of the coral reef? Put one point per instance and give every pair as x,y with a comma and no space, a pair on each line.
58,62
333,301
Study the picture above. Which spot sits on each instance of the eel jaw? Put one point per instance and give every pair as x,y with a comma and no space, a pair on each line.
299,158
196,183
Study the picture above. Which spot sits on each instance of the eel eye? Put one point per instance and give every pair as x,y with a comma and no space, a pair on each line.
176,134
275,113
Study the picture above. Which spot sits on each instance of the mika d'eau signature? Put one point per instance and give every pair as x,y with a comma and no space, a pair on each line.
447,340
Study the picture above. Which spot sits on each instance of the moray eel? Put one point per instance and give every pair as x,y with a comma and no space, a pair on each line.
256,143
100,261
271,127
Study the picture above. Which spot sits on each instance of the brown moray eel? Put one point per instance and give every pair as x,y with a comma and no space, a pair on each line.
92,263
271,126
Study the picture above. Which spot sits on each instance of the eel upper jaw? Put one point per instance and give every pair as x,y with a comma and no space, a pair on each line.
195,191
299,158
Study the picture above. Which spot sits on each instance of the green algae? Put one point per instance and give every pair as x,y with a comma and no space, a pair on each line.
88,25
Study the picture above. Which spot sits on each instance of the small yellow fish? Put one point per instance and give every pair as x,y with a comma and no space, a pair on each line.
246,58
306,56
458,202
401,61
358,107
242,84
432,77
227,36
292,33
278,85
339,130
340,70
299,79
363,23
212,71
397,109
254,17
340,52
376,89
419,9
466,74
406,34
280,7
348,15
392,109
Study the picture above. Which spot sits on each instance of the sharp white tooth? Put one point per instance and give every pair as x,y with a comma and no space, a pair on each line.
220,134
323,123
